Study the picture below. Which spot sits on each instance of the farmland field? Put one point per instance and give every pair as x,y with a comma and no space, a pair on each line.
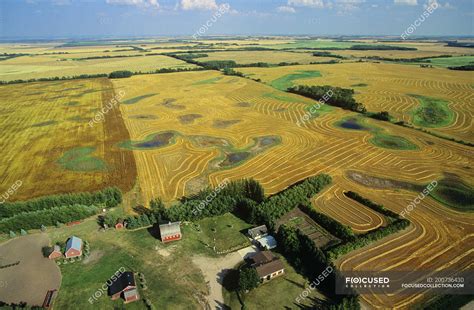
30,67
172,135
393,88
270,57
45,132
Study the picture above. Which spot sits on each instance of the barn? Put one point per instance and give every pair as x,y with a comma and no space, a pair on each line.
170,232
73,247
56,253
124,286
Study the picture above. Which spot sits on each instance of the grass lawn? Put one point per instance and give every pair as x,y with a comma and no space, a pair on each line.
281,291
168,269
227,230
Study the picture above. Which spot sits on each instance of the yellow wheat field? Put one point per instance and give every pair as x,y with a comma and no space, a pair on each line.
270,57
43,66
388,87
41,122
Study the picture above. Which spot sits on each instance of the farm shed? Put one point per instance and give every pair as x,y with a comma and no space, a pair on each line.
56,253
258,232
170,232
73,247
267,242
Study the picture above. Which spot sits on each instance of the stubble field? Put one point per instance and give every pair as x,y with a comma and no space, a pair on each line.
47,142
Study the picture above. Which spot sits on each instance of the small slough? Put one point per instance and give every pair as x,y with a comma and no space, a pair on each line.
153,141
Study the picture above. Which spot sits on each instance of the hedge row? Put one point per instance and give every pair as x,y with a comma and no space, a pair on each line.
342,232
368,238
276,206
47,217
110,197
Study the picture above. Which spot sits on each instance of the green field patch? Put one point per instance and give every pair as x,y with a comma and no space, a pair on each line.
138,98
453,192
360,85
80,159
432,113
208,81
153,141
44,124
286,81
392,142
379,138
452,61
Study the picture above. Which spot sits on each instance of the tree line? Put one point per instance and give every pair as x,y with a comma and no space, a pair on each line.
341,97
109,197
47,217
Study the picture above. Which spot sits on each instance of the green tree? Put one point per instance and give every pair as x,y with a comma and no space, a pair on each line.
248,279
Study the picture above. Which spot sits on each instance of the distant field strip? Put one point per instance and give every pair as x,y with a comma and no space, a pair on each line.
33,67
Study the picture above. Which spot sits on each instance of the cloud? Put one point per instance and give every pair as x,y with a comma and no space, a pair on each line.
138,3
309,3
406,2
348,5
199,5
436,4
286,9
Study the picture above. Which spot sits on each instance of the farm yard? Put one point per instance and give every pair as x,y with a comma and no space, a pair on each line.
173,135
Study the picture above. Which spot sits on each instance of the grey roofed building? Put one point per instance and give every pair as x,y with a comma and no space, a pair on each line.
258,232
267,242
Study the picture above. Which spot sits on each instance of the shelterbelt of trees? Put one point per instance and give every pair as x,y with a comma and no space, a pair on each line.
56,209
336,96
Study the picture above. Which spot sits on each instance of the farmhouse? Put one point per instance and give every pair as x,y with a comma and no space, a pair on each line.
56,253
124,286
257,232
270,270
267,265
267,242
170,232
73,247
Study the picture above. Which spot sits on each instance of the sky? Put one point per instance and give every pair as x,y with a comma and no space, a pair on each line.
23,19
